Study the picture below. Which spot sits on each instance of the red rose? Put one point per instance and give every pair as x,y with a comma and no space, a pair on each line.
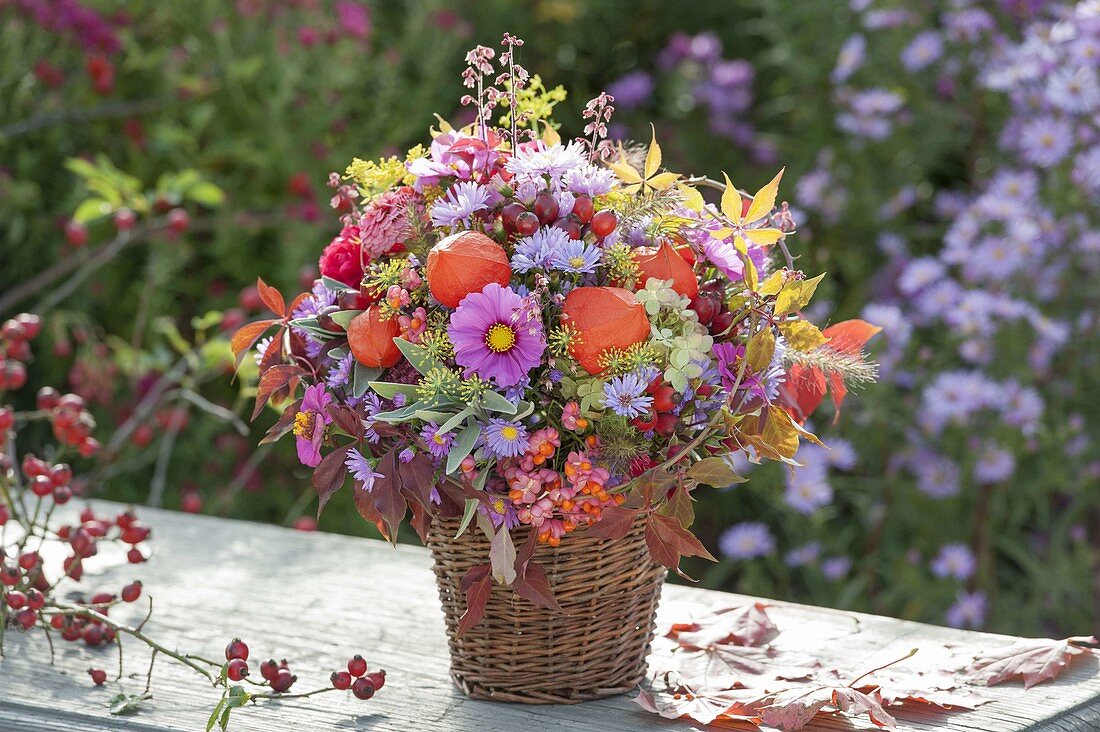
343,259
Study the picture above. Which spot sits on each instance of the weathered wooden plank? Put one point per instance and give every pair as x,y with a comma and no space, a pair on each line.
317,598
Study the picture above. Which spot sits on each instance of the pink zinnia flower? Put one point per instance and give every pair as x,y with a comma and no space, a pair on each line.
385,222
310,423
493,339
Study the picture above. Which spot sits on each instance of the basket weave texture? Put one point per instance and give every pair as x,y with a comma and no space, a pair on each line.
520,652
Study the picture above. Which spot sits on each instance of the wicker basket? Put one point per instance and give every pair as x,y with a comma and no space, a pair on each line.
523,653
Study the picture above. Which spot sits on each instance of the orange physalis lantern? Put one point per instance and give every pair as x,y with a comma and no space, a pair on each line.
663,262
604,317
371,339
463,263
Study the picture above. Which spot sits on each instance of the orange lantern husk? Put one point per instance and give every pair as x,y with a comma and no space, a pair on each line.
604,318
370,338
463,263
664,262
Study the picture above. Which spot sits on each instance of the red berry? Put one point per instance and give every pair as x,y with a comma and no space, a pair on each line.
191,502
509,214
9,576
33,467
82,543
99,676
357,666
29,560
59,622
74,568
5,514
35,599
178,220
71,632
7,419
706,306
47,397
135,533
32,324
62,494
26,618
667,424
236,649
124,219
379,679
134,556
340,680
88,446
76,233
102,598
283,681
93,635
15,600
41,486
645,422
664,399
305,523
132,591
527,224
571,228
363,689
61,474
546,208
125,519
583,209
603,223
721,323
236,669
269,669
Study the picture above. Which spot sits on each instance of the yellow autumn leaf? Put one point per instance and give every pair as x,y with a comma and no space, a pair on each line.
653,156
693,199
774,283
625,171
763,237
764,200
752,277
550,136
722,233
802,335
780,433
731,201
661,181
809,287
760,349
796,295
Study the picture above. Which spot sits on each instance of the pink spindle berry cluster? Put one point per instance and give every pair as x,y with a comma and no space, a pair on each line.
15,349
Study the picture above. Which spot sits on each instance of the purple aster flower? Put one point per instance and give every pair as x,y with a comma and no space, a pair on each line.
1022,407
506,439
851,57
535,161
803,555
339,374
589,180
746,540
576,257
320,297
625,395
631,90
1086,171
807,495
462,201
925,48
539,250
500,511
955,561
994,465
968,611
835,568
1074,90
1045,141
310,423
919,274
493,339
937,476
763,385
439,444
361,470
406,455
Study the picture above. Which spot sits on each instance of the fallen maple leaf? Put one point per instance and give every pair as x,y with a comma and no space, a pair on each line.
793,709
728,667
746,625
704,707
1034,660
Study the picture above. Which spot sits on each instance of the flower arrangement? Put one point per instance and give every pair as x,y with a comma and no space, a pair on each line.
525,331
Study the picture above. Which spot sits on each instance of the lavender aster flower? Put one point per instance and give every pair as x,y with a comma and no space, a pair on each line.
851,57
506,439
807,495
922,51
576,257
553,161
955,561
439,444
835,568
339,374
589,180
968,611
994,465
746,540
539,250
462,201
802,555
625,395
361,470
1045,141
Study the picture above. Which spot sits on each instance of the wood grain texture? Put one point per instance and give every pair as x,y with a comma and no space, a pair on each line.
317,598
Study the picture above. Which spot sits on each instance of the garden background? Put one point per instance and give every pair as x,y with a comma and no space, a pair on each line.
943,164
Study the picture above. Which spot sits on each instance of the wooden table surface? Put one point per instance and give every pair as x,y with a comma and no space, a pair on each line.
318,598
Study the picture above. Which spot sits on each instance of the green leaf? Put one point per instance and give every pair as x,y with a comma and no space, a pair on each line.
388,390
127,703
90,210
206,194
418,356
208,320
467,515
497,403
429,415
214,715
343,318
238,697
334,285
523,409
714,471
361,378
463,446
456,420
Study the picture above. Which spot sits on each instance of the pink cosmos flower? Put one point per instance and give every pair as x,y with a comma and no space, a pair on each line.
492,338
310,423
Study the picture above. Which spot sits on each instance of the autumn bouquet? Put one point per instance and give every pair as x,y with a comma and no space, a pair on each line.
551,343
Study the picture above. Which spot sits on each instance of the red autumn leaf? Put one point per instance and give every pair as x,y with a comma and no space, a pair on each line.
794,709
805,386
703,707
533,585
347,420
418,477
477,583
272,298
668,541
365,506
386,494
274,353
1034,660
283,425
329,476
246,336
421,520
273,379
746,625
615,523
727,667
